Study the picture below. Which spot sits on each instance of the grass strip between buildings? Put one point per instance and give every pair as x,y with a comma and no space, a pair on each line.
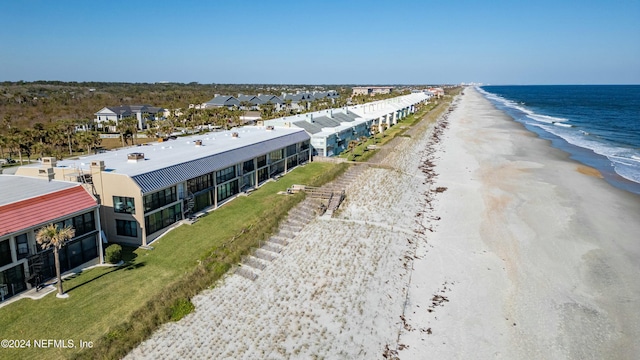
429,112
154,286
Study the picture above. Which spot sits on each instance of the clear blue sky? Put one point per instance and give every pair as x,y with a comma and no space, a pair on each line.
322,42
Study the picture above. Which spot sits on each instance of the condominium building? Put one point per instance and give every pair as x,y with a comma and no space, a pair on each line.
145,190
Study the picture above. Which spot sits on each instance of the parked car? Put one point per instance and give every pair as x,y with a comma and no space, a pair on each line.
7,161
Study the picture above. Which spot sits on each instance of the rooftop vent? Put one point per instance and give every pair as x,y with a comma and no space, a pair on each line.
135,157
234,134
198,142
270,127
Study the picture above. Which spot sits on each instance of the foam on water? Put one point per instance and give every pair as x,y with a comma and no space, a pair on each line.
624,160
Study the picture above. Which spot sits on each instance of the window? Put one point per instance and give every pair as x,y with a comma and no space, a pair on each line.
227,190
82,224
291,149
277,168
159,199
127,228
5,253
262,161
303,157
225,174
199,183
263,175
22,243
276,155
124,205
292,162
163,218
247,166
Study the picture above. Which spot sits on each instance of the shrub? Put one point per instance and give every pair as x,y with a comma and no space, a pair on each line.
113,254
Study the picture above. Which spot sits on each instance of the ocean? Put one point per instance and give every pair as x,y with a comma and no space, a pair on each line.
597,125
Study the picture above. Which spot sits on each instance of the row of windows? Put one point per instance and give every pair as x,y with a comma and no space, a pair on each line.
200,183
82,223
276,155
225,174
227,190
22,247
161,219
159,199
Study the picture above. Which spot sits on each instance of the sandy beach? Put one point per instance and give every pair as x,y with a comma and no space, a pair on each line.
487,243
536,255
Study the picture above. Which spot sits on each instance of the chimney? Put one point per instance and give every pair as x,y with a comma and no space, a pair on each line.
135,157
98,165
49,162
46,172
198,143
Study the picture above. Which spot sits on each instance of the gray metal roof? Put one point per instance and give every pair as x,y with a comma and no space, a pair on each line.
171,175
15,188
342,117
270,99
325,122
223,100
307,126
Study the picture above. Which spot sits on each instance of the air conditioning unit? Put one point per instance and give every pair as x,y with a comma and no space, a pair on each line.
135,157
234,134
270,128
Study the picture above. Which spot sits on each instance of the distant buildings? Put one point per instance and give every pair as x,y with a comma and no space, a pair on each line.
331,130
298,101
112,114
371,90
30,203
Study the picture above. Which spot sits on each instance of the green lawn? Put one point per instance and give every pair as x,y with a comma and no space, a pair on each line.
360,152
118,307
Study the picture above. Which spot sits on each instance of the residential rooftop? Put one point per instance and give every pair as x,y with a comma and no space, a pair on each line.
16,188
160,155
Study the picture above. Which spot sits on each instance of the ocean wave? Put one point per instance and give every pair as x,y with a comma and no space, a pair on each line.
624,160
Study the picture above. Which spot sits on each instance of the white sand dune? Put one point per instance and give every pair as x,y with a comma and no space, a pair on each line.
520,257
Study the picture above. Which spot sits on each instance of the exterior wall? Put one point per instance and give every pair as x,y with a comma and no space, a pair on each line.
107,185
26,258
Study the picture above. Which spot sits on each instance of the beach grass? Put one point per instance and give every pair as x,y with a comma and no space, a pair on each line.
117,308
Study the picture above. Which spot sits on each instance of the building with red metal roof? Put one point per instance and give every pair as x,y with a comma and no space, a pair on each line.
30,203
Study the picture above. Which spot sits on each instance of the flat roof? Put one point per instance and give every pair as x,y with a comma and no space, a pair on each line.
14,188
160,155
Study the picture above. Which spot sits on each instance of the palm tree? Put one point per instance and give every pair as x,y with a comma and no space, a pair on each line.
52,236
